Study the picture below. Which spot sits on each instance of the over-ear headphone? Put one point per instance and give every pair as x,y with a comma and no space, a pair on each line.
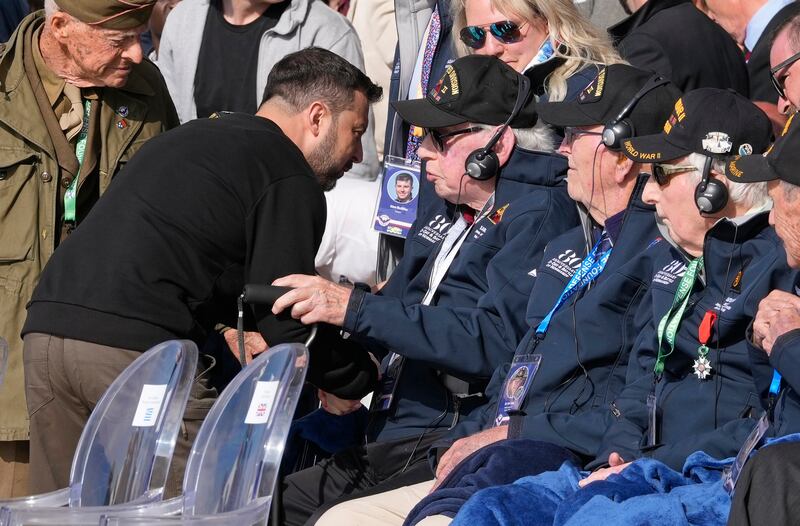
483,164
710,195
621,128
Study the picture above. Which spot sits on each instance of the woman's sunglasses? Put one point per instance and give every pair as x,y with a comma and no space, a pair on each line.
506,32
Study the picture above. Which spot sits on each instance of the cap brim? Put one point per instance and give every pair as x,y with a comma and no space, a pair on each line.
652,148
422,113
750,169
562,114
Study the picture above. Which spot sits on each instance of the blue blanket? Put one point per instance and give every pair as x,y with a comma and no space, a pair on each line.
647,492
494,465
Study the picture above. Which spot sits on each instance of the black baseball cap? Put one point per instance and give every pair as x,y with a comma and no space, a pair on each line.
714,122
608,94
477,88
780,161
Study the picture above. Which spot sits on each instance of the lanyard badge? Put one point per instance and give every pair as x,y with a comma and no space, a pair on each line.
396,208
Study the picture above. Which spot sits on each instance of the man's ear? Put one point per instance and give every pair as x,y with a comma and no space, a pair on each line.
317,113
505,146
623,168
60,25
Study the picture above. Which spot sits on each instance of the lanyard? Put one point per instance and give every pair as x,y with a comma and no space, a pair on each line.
70,196
668,326
449,249
591,267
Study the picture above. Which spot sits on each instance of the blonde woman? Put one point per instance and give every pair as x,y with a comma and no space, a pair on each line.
551,34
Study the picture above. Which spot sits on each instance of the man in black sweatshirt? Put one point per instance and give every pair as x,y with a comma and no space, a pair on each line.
195,215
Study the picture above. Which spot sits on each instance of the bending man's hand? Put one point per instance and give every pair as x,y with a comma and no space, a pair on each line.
314,299
337,406
254,343
777,314
615,465
464,447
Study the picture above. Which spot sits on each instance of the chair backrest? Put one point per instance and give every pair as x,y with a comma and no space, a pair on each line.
3,359
238,450
126,447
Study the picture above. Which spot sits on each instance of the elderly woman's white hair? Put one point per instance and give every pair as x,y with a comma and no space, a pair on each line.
749,195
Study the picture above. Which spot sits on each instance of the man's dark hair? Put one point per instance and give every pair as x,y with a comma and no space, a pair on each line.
404,177
314,73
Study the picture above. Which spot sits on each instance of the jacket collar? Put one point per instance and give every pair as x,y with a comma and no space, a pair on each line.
623,28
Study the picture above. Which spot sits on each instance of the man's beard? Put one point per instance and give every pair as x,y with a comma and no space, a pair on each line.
322,164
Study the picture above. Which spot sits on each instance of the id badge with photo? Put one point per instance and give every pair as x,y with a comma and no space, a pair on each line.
388,383
731,473
396,208
515,388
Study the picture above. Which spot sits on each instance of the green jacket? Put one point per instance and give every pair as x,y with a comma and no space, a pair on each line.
30,176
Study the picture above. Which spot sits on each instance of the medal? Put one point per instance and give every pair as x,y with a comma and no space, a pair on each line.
702,366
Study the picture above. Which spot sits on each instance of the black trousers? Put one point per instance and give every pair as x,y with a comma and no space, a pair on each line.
767,490
353,473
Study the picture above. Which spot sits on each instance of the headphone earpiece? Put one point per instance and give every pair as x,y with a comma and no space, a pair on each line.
616,132
620,128
482,164
710,195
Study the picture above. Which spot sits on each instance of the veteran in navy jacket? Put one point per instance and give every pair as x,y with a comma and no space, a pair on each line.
442,330
567,371
769,478
690,386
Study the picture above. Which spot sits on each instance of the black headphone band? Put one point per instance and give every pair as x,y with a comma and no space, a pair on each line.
652,83
706,175
523,90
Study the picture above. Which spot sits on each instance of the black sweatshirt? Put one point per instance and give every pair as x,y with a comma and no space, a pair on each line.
196,214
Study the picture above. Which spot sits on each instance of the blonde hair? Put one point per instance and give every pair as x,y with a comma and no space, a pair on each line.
584,44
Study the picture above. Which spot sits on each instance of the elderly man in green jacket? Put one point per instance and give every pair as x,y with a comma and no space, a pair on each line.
77,100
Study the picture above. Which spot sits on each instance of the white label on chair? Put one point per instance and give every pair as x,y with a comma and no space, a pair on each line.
261,403
149,405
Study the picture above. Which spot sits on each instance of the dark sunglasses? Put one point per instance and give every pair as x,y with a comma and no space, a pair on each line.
662,172
571,133
777,83
506,32
439,138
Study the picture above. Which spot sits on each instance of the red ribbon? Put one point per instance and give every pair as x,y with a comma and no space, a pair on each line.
706,326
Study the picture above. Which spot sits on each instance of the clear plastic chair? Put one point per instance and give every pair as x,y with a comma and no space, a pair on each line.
233,465
124,452
3,359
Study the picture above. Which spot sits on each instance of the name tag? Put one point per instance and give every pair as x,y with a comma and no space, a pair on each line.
515,388
731,474
396,208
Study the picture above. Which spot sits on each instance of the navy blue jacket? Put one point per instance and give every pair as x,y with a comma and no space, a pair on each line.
477,316
563,406
742,264
785,358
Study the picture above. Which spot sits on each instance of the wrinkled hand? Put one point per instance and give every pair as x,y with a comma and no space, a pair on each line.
615,465
314,299
464,447
335,405
254,343
777,314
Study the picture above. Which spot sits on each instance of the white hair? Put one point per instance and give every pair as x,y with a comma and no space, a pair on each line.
50,7
538,138
749,195
791,191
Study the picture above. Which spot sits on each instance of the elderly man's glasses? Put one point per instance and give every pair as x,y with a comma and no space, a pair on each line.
777,82
439,138
506,32
571,133
662,172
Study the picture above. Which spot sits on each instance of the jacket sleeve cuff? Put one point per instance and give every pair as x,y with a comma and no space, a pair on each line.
353,309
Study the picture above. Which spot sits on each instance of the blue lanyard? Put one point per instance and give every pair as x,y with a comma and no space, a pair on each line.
775,386
591,267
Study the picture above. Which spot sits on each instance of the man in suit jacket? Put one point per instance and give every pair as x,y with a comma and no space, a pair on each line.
647,39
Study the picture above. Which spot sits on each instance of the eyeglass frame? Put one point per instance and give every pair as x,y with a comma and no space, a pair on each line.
497,37
778,84
573,132
438,138
662,173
